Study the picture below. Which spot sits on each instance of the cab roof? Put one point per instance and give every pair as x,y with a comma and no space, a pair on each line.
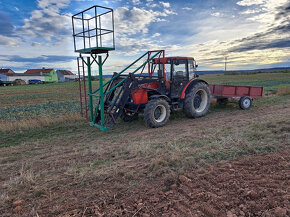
165,60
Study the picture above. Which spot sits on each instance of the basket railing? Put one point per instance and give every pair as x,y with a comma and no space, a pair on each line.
93,29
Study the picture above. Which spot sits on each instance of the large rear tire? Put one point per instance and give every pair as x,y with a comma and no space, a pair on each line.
156,113
197,101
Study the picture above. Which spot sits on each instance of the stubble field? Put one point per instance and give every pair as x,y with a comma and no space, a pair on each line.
229,163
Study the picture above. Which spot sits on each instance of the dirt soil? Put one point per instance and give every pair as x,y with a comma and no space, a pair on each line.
256,185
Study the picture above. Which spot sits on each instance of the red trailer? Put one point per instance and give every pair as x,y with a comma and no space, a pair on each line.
246,94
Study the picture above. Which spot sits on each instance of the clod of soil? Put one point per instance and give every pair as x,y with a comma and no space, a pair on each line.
280,212
18,203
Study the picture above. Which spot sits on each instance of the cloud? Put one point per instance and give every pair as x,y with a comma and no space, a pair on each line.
187,8
261,45
249,11
259,37
132,28
283,12
156,35
7,29
56,4
39,59
8,41
136,2
250,2
216,14
137,20
276,33
165,4
47,22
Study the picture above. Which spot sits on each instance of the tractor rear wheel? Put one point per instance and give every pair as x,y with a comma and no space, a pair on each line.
197,101
156,113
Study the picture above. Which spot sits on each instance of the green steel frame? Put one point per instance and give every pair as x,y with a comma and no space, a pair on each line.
92,109
103,91
93,54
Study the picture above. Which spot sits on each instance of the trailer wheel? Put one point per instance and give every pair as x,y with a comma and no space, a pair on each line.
129,116
197,101
245,102
156,113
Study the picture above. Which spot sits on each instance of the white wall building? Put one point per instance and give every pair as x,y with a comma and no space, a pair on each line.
25,77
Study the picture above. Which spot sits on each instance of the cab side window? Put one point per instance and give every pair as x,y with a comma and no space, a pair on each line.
191,70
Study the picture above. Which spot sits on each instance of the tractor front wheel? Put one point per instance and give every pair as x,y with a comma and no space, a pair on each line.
156,113
197,101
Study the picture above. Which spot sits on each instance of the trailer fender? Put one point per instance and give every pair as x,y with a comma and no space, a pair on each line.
188,87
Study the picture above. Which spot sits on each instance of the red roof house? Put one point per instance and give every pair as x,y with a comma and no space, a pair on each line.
65,72
38,71
6,71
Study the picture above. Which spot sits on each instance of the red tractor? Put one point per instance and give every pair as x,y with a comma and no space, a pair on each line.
171,84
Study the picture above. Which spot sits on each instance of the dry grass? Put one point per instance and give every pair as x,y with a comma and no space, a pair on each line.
25,177
31,123
4,197
283,90
60,167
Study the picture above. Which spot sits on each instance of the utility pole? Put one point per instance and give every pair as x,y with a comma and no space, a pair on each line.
226,59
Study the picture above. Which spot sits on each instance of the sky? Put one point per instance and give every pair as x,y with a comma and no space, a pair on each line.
250,33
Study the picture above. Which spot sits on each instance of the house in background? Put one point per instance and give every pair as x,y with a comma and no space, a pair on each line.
4,72
65,76
25,78
49,75
8,75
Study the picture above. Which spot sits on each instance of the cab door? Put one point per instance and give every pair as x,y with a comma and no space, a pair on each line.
179,77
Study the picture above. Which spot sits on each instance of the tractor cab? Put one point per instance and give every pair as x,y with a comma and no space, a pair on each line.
177,72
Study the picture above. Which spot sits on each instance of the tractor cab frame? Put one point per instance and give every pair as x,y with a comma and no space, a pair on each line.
177,72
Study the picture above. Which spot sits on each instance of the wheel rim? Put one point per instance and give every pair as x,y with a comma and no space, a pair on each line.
200,100
246,103
160,113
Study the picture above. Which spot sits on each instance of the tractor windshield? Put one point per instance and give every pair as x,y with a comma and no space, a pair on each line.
179,70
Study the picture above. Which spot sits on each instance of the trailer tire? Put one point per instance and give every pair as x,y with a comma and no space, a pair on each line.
197,101
245,102
156,113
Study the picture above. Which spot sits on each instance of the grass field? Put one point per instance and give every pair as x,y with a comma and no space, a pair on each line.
52,163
